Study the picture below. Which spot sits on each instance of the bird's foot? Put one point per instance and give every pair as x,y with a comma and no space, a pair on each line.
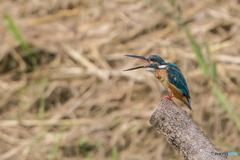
168,97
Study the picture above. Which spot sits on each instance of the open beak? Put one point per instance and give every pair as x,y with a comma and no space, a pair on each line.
147,66
140,57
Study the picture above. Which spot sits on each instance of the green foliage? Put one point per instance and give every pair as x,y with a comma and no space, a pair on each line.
197,49
115,153
229,146
210,70
211,64
225,104
208,51
83,143
90,156
84,147
19,37
214,67
36,140
237,149
155,5
208,66
16,32
172,2
56,147
160,8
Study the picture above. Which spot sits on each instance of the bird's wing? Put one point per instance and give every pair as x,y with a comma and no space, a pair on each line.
176,78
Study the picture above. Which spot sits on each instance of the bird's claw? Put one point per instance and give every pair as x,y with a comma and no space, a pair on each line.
168,97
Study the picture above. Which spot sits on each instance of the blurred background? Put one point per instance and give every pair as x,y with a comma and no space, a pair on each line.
64,94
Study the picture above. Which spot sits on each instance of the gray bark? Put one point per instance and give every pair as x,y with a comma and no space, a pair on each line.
181,132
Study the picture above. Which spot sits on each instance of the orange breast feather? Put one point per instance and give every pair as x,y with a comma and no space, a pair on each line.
178,94
162,75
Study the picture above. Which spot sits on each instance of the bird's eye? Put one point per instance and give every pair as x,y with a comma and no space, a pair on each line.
151,58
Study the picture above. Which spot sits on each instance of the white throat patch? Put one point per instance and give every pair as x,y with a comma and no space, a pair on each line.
162,67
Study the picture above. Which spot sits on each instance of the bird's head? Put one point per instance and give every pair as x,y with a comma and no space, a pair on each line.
154,62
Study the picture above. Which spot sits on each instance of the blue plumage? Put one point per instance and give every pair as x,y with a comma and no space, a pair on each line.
156,58
176,78
172,78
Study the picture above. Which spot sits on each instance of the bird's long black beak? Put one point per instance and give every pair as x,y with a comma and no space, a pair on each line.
138,67
140,57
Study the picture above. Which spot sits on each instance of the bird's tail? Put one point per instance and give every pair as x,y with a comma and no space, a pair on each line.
187,102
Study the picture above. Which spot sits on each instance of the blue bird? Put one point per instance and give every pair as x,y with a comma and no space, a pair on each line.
169,75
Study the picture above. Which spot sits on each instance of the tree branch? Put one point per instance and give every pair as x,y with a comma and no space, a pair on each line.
181,132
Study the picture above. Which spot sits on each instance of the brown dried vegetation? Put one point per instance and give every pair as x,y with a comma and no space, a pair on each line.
77,81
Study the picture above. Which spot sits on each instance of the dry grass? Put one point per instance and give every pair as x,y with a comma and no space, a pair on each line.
72,101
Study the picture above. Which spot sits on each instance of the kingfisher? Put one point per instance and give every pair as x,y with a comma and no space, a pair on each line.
169,75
